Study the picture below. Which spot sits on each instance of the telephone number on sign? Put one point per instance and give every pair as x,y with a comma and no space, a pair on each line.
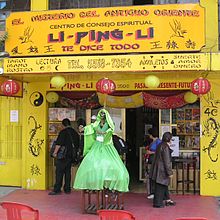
114,63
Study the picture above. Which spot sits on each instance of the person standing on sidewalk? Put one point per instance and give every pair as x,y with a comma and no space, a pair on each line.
161,172
63,166
153,134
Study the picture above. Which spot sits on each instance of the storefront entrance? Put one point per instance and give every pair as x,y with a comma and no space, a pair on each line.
138,121
132,124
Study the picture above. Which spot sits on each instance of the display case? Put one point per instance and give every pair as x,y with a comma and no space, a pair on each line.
182,122
188,128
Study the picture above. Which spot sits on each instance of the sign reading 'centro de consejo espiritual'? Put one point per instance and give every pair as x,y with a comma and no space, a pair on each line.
155,28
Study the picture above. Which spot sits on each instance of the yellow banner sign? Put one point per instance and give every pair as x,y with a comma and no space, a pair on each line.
154,28
155,62
125,85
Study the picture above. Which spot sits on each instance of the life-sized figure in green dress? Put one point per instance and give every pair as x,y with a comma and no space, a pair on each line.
102,167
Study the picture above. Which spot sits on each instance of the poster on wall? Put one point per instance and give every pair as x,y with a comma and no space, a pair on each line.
14,116
164,128
175,146
58,114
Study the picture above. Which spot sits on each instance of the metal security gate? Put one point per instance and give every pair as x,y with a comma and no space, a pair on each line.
10,141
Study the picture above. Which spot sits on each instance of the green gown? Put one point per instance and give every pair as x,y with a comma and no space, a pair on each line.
101,167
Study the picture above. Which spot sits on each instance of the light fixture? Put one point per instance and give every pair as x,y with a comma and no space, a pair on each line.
58,81
152,81
52,97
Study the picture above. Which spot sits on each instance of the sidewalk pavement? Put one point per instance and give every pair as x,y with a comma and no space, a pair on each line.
68,207
5,190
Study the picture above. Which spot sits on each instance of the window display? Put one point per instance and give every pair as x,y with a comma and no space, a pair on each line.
56,115
188,127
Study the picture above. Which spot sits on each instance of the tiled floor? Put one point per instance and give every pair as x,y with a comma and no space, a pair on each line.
68,207
138,187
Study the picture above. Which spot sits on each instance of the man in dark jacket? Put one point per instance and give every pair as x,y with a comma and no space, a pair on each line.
66,137
161,172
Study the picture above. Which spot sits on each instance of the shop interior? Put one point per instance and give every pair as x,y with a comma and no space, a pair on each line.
132,124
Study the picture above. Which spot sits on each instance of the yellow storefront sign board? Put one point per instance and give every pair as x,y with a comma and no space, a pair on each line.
110,63
153,28
125,85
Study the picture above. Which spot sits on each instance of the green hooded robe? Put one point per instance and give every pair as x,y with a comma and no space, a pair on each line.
101,167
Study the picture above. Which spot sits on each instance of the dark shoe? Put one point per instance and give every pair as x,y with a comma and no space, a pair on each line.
54,193
158,206
170,203
67,192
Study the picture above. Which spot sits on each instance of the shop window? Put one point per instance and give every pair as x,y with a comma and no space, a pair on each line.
3,33
159,2
4,12
3,16
121,2
4,5
66,4
20,5
165,116
15,5
142,2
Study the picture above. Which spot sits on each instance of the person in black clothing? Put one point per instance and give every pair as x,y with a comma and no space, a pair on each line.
81,124
63,166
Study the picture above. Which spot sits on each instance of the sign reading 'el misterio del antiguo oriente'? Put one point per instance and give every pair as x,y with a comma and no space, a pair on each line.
155,28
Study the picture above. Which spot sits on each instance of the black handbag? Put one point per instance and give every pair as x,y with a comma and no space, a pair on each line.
120,145
75,158
61,154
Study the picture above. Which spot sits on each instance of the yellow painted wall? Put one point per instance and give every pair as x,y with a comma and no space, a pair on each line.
39,5
35,151
210,140
215,64
211,25
34,142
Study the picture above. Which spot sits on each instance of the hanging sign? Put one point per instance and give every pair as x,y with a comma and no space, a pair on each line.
111,63
154,28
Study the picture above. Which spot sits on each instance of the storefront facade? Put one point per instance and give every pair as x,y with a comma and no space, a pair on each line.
39,40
